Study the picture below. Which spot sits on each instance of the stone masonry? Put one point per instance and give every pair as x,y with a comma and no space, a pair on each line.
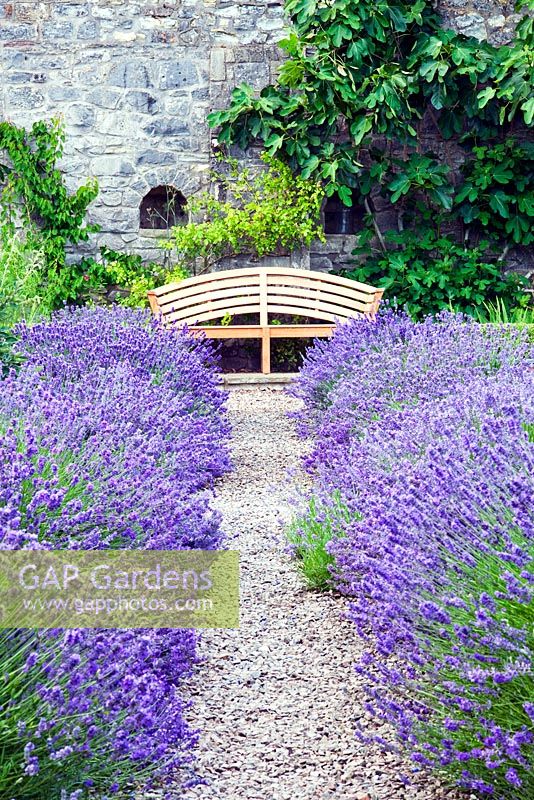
133,81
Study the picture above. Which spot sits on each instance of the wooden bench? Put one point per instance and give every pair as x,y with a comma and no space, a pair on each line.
264,291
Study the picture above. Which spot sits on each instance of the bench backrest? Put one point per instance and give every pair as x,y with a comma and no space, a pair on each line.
263,290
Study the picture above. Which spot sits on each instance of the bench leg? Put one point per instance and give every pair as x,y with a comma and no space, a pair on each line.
265,352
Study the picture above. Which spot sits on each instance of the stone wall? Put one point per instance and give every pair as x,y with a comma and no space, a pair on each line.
494,20
134,80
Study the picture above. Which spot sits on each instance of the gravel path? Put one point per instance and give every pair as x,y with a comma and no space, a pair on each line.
277,700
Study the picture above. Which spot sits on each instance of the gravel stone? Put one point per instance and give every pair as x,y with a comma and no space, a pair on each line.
276,701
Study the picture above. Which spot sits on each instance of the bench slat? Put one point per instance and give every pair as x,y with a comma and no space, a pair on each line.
321,286
205,313
198,290
228,331
256,331
225,277
300,331
317,308
310,296
322,277
176,301
315,314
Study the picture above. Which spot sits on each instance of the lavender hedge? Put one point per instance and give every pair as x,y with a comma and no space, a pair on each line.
112,433
424,435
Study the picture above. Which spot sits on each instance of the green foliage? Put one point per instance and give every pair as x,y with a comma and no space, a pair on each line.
288,354
498,191
20,299
429,273
355,70
498,313
20,281
268,211
125,275
368,72
309,536
33,193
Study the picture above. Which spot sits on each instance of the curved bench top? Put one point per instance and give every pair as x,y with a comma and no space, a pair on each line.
264,290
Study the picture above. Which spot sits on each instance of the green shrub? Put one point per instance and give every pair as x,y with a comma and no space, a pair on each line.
21,271
361,84
125,273
498,313
309,535
497,192
427,273
268,212
33,192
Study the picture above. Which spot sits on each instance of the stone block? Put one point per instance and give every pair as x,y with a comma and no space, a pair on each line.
71,10
255,74
25,77
218,64
123,36
106,98
144,102
498,21
111,198
81,116
57,30
130,75
156,157
103,12
88,30
167,126
63,94
271,24
26,98
472,25
177,75
111,165
32,12
124,127
16,33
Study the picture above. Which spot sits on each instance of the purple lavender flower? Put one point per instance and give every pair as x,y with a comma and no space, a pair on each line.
112,434
422,433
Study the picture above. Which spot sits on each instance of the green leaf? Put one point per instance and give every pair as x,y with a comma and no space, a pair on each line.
345,195
499,203
442,197
360,128
528,110
274,143
398,19
309,166
428,70
485,96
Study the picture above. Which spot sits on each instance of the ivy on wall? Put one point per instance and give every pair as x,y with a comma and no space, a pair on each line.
375,99
33,194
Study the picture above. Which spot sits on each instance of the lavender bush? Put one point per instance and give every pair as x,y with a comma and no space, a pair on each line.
112,432
92,712
431,452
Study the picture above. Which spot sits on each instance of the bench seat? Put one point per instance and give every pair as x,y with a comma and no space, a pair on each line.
264,291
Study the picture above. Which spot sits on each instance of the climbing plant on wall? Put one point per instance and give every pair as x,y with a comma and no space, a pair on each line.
34,195
366,85
266,211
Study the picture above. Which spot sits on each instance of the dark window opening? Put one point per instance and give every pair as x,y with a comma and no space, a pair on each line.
162,208
339,218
